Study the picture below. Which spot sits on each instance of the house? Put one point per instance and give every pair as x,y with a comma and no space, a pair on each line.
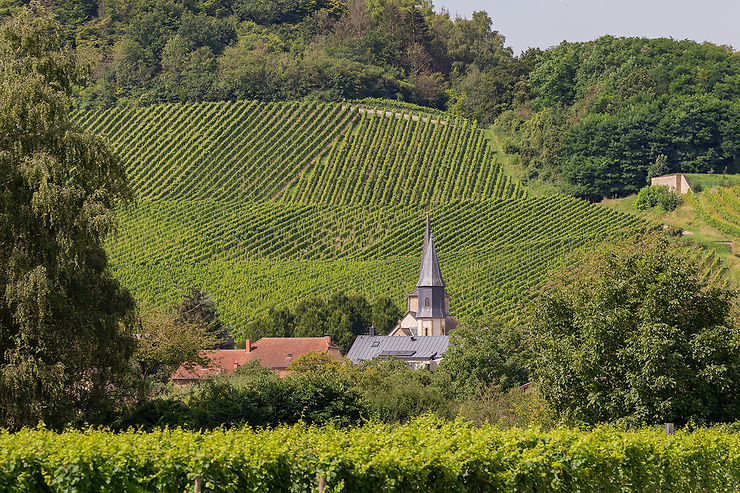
275,353
417,352
675,183
429,305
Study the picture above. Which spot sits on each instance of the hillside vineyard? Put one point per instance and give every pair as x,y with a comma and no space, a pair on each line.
720,209
299,152
265,204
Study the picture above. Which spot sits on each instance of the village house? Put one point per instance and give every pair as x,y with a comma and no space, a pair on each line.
275,353
421,337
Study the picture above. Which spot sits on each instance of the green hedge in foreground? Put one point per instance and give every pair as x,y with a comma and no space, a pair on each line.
427,455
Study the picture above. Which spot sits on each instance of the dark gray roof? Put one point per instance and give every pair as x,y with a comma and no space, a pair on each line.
407,348
429,273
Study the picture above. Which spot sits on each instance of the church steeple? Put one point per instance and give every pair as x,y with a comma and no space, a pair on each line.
429,272
429,304
431,286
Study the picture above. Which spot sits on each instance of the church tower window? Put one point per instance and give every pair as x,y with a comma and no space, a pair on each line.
426,301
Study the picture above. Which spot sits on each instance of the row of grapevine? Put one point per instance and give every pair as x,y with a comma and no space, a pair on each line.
197,230
253,256
302,152
720,209
396,160
424,455
225,150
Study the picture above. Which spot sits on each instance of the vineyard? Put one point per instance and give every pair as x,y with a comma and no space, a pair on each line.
424,455
253,256
267,204
720,209
299,152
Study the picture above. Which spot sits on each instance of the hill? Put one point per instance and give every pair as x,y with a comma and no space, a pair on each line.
710,217
265,204
300,152
720,208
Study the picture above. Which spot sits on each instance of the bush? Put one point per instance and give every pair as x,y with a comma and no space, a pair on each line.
254,400
649,197
669,200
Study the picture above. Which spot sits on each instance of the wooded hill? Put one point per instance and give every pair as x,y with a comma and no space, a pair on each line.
588,119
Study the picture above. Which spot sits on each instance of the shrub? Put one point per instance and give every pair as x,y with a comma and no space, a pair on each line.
649,197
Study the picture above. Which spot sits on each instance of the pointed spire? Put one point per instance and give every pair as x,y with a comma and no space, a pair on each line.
429,273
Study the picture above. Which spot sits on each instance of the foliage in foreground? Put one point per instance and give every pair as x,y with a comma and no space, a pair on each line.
319,391
425,455
64,320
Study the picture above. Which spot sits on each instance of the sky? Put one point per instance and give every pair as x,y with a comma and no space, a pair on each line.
545,23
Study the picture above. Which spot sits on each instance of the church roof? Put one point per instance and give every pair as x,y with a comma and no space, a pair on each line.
406,348
429,272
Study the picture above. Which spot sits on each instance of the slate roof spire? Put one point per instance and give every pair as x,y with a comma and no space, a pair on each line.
429,273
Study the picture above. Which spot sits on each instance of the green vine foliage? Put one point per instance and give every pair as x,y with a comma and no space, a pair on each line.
425,455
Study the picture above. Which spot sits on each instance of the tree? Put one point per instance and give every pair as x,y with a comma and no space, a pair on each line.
658,168
164,345
314,362
385,314
630,332
481,358
65,323
199,309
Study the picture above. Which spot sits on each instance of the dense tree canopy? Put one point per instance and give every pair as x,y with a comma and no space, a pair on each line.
631,332
342,316
64,321
604,111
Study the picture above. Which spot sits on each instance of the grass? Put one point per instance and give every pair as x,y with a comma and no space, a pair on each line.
685,217
708,181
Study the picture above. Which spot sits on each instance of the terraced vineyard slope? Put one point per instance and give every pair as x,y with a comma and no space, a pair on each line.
253,256
299,152
267,204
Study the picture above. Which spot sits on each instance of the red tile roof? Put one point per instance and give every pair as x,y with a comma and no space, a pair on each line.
272,352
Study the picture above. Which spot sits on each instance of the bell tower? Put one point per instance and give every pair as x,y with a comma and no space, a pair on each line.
432,301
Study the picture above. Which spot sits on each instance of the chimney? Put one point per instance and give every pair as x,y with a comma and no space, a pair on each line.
248,346
371,332
327,339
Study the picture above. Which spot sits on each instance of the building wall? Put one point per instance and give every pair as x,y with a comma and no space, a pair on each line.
413,304
678,183
431,327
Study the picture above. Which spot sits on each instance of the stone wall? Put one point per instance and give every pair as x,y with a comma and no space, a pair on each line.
678,183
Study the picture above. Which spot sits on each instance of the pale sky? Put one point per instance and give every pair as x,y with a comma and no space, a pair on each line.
544,23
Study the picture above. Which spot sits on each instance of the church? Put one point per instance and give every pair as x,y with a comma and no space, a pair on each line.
421,337
429,305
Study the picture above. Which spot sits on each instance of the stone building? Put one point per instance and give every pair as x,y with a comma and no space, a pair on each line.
429,305
676,183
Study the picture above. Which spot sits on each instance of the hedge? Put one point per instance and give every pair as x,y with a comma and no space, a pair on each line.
426,455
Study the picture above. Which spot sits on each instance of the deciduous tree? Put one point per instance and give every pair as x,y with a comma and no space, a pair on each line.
631,332
64,321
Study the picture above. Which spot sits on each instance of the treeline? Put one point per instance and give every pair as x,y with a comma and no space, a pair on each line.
150,51
607,114
587,118
342,316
